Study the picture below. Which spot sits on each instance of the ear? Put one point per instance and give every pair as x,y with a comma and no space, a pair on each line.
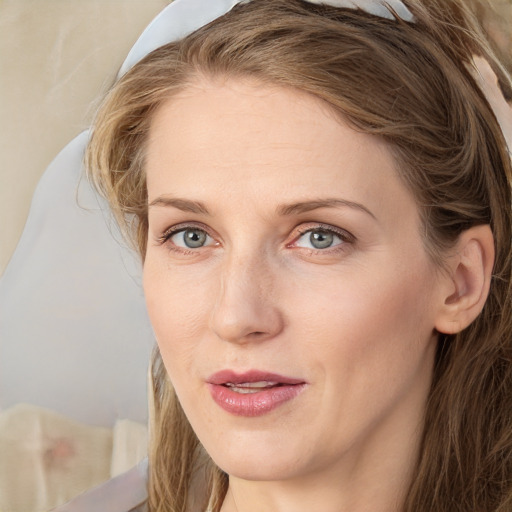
466,285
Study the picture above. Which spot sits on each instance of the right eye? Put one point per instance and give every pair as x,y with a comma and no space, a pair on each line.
189,238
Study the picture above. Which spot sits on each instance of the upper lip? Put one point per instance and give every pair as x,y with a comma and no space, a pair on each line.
233,377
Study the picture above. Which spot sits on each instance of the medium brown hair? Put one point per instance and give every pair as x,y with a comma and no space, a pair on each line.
408,83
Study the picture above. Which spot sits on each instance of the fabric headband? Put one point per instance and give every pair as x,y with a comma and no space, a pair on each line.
182,17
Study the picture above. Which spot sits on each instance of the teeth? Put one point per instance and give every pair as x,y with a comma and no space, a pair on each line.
245,391
250,387
260,384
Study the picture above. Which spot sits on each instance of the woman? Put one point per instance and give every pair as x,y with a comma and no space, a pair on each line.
321,198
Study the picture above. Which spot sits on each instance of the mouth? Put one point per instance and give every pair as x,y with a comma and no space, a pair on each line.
252,393
251,387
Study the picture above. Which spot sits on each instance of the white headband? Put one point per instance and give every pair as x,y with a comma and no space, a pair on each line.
182,17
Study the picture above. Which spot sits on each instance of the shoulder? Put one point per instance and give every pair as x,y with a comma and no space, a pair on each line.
124,493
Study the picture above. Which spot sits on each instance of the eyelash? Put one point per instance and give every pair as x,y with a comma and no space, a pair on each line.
344,236
164,239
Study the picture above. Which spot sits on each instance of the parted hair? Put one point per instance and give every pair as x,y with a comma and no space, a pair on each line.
410,84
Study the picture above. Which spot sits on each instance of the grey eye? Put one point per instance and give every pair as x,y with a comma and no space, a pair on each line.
190,238
321,239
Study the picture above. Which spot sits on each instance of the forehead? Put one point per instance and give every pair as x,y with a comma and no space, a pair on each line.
246,139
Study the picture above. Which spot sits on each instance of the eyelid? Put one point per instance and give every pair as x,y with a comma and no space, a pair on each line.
182,226
318,226
343,234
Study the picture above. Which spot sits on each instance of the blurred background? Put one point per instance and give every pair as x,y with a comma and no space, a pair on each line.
74,337
57,58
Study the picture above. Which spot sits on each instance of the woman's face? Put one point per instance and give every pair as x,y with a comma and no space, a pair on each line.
286,280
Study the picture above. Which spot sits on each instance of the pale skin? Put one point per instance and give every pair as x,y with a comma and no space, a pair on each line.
253,173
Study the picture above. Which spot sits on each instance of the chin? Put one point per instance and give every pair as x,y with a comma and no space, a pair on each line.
258,470
259,458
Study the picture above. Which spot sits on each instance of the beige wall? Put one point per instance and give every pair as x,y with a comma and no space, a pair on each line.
56,59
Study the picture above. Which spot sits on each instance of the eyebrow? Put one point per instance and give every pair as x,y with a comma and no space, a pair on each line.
307,206
186,205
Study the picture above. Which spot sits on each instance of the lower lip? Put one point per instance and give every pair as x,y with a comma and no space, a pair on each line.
253,404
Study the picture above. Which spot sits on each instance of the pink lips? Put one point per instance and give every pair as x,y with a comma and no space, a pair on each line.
252,393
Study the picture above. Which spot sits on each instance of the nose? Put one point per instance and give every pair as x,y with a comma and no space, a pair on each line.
246,308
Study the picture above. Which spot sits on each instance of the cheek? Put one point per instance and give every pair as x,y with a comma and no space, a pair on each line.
351,301
369,346
367,329
177,307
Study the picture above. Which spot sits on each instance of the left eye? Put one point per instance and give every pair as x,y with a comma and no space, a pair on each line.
191,238
319,239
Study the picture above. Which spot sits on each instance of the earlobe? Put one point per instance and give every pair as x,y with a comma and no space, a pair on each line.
468,280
